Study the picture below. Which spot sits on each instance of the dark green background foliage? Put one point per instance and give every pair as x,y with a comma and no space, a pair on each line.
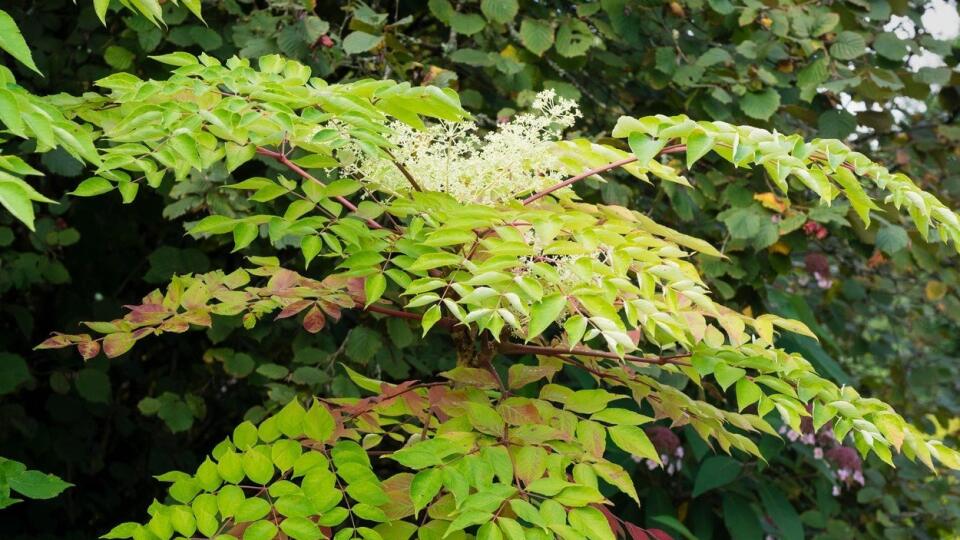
884,302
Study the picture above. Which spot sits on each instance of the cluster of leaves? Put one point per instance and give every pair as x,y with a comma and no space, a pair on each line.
761,237
547,260
470,453
16,478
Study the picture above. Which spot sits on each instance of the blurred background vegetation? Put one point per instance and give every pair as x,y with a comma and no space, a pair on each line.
877,73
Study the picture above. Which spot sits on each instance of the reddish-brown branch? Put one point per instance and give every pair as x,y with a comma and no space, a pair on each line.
285,161
674,149
677,148
516,348
403,170
393,312
399,313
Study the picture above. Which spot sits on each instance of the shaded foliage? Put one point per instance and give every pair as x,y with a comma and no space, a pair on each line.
855,286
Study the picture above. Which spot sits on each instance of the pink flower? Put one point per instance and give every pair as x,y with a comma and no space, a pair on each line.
843,457
664,440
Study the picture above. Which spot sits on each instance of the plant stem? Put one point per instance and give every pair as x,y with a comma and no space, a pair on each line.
404,171
677,148
516,348
285,161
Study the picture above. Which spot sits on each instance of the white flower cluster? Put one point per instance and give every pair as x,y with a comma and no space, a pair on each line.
513,160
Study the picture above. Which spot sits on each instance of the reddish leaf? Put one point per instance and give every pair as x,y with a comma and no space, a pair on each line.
416,403
332,310
199,318
355,290
472,376
636,533
635,335
140,332
357,409
613,520
147,308
283,279
659,534
519,414
331,282
146,313
88,349
436,395
176,325
521,375
388,391
292,309
398,488
314,320
57,341
116,344
593,437
449,402
155,297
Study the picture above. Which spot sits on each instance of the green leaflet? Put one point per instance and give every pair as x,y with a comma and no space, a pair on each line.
11,41
622,287
715,472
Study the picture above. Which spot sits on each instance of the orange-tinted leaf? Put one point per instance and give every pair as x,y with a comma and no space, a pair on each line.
146,313
770,201
472,376
88,349
294,308
176,325
636,533
333,310
780,247
57,341
355,288
521,375
612,520
199,318
398,488
282,279
116,344
314,320
935,290
520,413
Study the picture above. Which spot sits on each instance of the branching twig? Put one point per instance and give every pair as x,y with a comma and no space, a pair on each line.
404,171
516,348
285,161
399,313
587,174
